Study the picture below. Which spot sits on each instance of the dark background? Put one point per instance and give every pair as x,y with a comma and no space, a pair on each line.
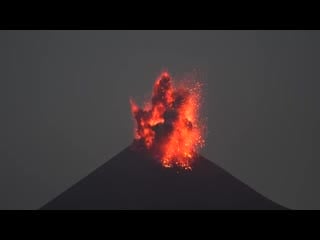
65,110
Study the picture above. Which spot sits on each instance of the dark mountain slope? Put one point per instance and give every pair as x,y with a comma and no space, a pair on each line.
132,180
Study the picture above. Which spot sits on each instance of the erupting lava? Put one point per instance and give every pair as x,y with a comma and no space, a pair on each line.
169,125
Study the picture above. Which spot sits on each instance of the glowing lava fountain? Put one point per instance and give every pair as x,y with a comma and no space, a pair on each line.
169,125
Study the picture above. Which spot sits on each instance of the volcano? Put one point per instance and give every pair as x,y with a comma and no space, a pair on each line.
133,180
162,168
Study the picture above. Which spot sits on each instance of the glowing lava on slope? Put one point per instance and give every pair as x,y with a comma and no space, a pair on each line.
169,126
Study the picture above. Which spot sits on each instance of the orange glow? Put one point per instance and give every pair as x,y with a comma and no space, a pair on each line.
169,126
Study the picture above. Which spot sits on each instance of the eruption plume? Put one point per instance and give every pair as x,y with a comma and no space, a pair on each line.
169,125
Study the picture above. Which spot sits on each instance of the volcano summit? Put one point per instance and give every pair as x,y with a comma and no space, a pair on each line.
162,168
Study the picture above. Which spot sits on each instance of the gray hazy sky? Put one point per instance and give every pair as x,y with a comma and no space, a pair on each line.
65,110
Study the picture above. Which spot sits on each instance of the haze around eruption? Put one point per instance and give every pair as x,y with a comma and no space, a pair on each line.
169,125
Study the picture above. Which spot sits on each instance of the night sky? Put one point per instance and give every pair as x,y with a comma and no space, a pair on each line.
65,105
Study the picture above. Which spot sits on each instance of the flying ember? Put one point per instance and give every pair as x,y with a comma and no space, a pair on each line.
169,125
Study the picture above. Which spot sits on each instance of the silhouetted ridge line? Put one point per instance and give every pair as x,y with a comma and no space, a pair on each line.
134,180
